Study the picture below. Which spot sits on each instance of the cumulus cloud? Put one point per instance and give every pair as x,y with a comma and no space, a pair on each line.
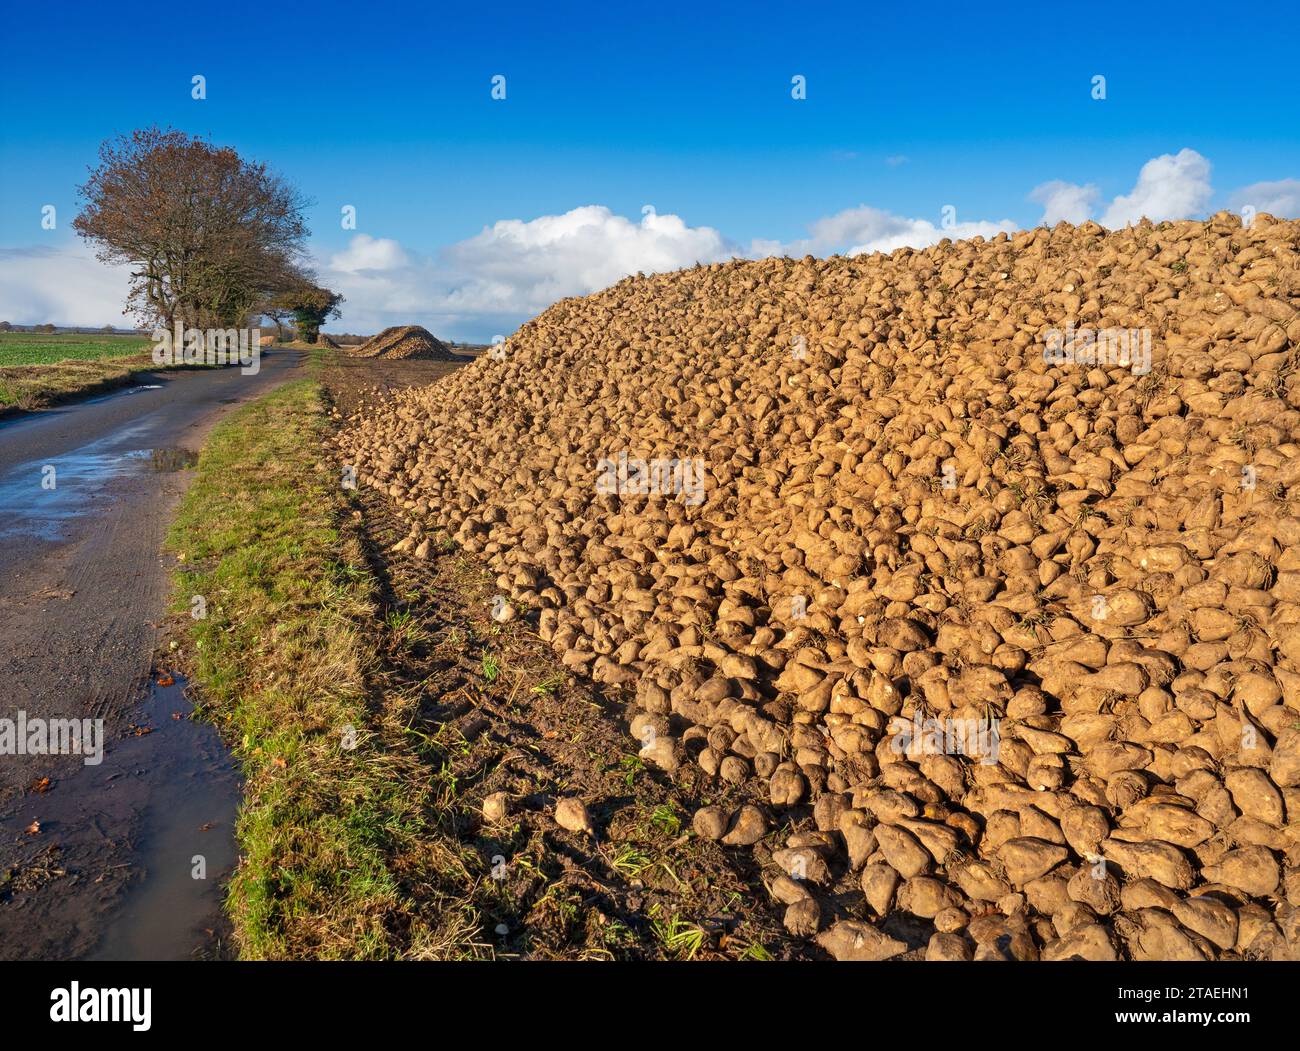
1280,198
365,253
64,285
580,251
1065,201
865,229
513,268
1171,186
884,232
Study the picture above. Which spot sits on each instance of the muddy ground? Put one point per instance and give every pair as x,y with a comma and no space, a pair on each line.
513,719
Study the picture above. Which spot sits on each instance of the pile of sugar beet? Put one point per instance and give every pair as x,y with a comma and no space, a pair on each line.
909,516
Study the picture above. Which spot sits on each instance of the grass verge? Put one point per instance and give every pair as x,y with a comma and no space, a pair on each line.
30,387
39,369
340,852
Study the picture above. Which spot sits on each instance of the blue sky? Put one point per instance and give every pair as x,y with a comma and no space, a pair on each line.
686,107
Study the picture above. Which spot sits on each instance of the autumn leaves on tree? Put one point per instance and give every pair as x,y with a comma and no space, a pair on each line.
212,240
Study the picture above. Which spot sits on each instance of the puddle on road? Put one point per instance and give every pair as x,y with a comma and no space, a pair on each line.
168,460
40,497
114,873
188,830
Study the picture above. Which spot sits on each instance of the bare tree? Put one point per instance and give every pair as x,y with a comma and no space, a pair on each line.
209,235
279,291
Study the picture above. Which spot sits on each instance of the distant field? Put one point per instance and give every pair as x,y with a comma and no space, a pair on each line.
46,348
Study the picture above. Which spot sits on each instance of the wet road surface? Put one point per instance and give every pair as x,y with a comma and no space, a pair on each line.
103,858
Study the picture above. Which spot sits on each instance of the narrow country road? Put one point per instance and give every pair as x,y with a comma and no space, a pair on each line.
87,492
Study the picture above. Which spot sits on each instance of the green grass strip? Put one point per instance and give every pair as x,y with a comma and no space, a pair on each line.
283,662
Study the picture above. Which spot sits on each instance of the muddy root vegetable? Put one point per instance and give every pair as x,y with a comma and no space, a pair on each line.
1010,616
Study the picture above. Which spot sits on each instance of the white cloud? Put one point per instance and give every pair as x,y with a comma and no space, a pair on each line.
580,251
884,232
1065,200
895,160
369,253
1280,198
865,229
1171,186
65,285
513,268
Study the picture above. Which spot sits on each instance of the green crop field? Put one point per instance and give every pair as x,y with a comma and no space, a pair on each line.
47,348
